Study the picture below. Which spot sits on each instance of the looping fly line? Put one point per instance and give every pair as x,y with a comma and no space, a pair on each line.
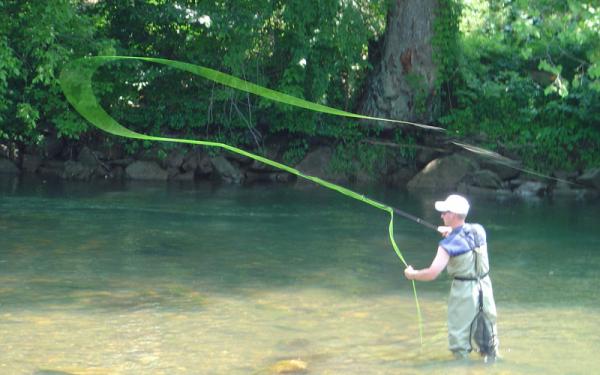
76,83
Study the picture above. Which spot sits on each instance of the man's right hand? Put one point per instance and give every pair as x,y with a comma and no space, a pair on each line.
444,231
409,272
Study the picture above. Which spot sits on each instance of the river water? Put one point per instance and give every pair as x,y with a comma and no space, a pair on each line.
131,278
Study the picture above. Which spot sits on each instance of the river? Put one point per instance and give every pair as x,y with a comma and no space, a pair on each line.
106,278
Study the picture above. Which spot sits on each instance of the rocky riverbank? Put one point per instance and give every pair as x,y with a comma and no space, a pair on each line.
460,171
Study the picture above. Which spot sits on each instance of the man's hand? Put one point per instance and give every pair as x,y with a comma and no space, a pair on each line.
444,231
409,273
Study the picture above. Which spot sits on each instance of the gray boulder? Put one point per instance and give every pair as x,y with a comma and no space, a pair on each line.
88,158
400,177
174,159
563,189
425,155
93,160
205,166
282,177
565,175
267,176
187,176
239,159
502,170
75,170
316,163
443,174
227,171
271,152
198,162
531,189
485,179
590,177
145,170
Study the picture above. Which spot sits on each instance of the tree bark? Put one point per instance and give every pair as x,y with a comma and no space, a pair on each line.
403,85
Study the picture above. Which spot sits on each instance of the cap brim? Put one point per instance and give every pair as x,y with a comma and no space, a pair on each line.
441,206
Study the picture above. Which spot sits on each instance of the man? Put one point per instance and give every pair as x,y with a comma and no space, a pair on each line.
464,251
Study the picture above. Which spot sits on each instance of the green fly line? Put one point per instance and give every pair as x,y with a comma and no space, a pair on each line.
76,83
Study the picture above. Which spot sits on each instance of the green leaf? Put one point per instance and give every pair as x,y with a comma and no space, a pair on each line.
526,53
547,67
594,71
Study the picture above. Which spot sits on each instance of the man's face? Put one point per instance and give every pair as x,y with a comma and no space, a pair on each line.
448,218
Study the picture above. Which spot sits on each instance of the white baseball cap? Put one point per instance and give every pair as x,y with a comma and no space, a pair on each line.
454,203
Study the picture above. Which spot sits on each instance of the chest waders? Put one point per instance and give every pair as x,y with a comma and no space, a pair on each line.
482,328
471,306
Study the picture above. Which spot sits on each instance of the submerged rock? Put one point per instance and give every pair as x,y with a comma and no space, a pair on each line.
566,190
531,189
289,366
75,371
466,189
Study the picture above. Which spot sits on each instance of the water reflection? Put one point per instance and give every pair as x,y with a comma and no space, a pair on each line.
188,279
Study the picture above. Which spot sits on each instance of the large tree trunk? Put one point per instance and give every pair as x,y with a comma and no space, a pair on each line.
403,84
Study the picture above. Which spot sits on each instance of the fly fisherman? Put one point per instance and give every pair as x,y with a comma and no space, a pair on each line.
471,306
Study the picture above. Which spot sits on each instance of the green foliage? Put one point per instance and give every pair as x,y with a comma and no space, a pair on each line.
525,75
352,157
527,81
314,50
418,85
295,152
445,42
407,142
36,39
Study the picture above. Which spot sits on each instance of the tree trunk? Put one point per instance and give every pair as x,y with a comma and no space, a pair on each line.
403,85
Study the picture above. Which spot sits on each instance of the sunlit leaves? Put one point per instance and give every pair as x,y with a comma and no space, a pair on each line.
530,80
559,85
37,38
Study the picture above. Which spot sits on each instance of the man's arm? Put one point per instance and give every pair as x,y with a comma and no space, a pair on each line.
431,273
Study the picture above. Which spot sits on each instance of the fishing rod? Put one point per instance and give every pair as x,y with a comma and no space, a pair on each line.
416,219
408,216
